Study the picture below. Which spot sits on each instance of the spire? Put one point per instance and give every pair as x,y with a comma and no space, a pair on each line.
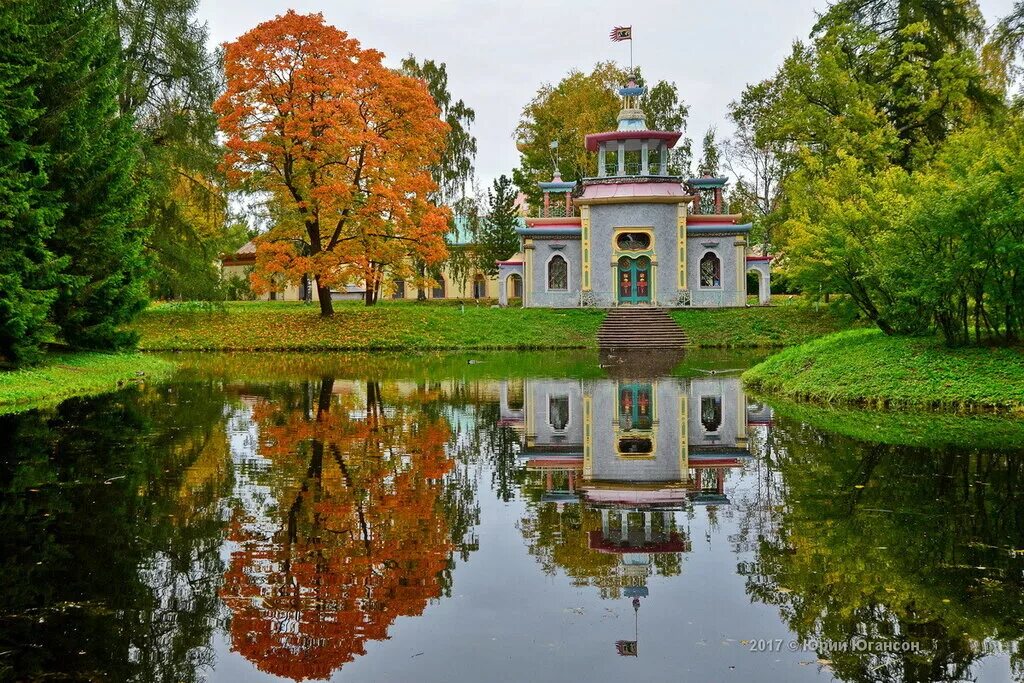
631,117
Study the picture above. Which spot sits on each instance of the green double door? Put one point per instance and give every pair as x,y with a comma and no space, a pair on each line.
634,281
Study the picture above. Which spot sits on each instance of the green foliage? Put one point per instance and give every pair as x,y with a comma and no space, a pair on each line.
710,156
865,367
861,118
498,239
455,168
27,211
895,544
95,171
664,110
561,115
169,84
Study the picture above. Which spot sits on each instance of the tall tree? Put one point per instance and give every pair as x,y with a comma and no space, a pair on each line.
663,110
171,81
559,116
498,237
760,165
455,167
95,160
27,211
344,147
710,157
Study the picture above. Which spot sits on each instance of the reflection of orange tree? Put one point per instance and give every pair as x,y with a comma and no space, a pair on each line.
356,539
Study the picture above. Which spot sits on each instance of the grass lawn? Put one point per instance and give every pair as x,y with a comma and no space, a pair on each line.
65,375
388,326
786,323
426,326
864,367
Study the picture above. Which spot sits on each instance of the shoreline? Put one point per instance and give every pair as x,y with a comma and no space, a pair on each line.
864,368
68,374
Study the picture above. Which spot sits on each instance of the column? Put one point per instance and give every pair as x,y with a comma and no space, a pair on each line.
601,149
644,164
765,290
568,203
622,157
605,527
547,204
503,301
624,529
648,526
664,159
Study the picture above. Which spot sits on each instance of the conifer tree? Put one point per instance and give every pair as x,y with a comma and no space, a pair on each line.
27,210
94,153
498,238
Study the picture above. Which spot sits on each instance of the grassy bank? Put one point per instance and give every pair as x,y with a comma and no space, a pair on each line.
65,375
388,326
864,367
411,326
786,323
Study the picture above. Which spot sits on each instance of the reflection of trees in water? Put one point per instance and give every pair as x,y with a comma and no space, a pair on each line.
110,528
358,533
895,544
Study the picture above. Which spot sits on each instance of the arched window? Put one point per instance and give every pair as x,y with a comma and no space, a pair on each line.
438,292
479,287
558,273
710,270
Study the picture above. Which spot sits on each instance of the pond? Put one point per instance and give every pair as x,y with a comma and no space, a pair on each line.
503,517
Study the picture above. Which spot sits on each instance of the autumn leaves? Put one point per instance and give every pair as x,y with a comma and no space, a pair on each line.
341,145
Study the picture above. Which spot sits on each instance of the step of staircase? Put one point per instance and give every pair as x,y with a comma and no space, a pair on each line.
641,328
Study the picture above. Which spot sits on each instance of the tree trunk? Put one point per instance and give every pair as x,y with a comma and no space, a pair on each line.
323,292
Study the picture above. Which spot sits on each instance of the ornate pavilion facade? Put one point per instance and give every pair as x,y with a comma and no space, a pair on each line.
633,234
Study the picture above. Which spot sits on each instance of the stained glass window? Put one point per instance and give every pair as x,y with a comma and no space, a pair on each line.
711,413
558,412
710,270
558,273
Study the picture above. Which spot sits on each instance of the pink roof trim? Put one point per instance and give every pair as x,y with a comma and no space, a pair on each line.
606,190
594,140
509,263
759,258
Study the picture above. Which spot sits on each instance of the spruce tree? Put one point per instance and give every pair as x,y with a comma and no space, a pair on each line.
95,154
27,210
498,238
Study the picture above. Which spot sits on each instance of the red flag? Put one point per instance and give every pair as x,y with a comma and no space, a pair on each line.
620,33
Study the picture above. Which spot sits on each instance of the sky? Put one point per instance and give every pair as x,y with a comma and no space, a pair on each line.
499,53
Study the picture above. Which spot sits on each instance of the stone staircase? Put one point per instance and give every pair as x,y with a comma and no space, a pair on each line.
641,328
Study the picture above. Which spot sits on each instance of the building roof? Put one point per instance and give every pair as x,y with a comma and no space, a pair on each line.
245,254
611,193
707,182
461,234
594,140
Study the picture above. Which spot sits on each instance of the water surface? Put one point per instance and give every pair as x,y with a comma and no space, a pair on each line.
502,518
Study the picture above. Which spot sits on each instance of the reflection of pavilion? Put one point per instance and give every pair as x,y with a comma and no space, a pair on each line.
644,445
638,453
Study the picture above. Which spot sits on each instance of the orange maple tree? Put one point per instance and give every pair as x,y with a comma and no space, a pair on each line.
354,540
342,146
